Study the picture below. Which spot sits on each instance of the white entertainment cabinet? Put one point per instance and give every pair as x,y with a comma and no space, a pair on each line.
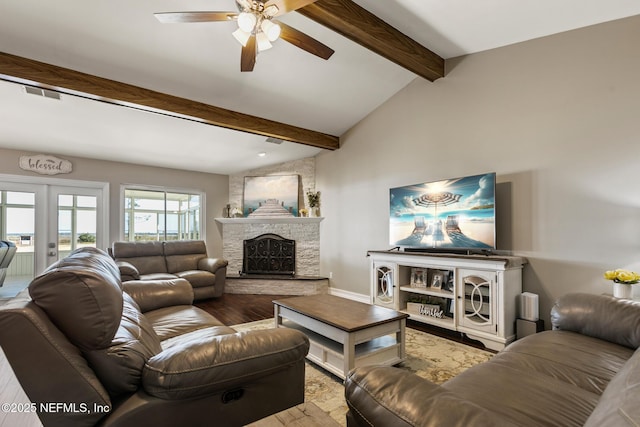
472,294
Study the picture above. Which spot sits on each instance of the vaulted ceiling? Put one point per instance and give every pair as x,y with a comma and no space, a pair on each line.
133,89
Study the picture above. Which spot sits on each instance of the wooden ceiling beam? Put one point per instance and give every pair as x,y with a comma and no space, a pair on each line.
33,73
361,26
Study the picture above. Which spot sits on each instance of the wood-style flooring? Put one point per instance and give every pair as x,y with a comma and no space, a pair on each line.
233,309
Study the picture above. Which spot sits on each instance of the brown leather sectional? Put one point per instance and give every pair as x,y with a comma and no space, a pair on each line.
584,372
90,350
186,259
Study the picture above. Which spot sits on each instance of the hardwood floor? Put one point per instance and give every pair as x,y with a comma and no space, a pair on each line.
233,309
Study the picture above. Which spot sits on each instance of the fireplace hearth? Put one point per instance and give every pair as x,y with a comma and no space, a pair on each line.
269,254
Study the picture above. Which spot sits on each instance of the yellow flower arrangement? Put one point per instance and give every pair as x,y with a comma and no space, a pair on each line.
622,276
303,212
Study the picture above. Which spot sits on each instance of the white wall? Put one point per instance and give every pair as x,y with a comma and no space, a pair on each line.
557,118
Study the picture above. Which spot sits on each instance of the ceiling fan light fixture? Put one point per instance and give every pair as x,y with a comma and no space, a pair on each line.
271,30
263,42
241,36
270,10
247,21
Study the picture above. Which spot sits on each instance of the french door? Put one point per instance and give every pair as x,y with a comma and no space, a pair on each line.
46,221
75,215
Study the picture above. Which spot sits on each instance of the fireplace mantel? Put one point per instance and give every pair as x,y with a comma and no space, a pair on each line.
274,220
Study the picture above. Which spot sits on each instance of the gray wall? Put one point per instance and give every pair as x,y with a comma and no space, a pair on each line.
216,187
557,118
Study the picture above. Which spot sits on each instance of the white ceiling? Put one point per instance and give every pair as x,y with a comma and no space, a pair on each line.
121,40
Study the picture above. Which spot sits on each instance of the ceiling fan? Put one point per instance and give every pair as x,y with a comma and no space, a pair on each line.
256,27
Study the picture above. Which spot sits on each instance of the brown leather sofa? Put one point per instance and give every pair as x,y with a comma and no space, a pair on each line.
586,371
186,259
88,353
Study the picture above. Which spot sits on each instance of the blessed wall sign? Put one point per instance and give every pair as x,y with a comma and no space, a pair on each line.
45,164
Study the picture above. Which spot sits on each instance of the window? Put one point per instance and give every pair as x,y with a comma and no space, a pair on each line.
161,215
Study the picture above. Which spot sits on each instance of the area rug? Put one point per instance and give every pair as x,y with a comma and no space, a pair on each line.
431,357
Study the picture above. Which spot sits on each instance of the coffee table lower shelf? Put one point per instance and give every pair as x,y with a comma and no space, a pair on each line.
329,354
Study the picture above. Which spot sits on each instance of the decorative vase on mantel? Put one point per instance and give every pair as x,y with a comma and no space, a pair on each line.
313,199
622,290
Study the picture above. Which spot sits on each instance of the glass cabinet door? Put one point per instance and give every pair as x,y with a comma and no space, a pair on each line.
385,289
477,300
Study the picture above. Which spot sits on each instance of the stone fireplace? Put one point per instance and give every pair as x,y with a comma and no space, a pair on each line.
306,234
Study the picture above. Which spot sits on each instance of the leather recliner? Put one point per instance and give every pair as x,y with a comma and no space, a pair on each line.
142,356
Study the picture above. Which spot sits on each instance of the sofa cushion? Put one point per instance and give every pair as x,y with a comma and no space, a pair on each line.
618,405
540,382
119,366
146,257
564,355
198,278
137,249
154,294
82,296
157,276
172,321
184,255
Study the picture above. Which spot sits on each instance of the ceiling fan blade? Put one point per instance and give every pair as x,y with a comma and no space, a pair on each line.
183,17
248,56
285,6
304,41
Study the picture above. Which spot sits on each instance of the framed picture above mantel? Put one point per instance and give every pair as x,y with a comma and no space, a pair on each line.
271,196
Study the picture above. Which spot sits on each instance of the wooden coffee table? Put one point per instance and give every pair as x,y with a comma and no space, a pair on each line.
344,334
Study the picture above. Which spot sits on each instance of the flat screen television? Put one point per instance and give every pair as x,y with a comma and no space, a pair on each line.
449,215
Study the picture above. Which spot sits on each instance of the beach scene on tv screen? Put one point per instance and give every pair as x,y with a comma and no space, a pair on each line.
452,213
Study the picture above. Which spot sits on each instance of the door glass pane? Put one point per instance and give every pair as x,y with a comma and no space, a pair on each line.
77,222
65,200
86,201
20,198
64,232
87,228
21,227
17,225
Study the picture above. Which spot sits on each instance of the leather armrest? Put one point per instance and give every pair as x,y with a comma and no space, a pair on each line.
218,363
599,316
388,396
127,271
212,264
154,294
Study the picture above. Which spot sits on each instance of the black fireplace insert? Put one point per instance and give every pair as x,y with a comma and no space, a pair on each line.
269,254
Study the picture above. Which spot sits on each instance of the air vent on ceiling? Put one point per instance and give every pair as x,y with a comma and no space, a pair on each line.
42,92
274,140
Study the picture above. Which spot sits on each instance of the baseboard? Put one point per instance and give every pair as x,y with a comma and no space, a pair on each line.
350,295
